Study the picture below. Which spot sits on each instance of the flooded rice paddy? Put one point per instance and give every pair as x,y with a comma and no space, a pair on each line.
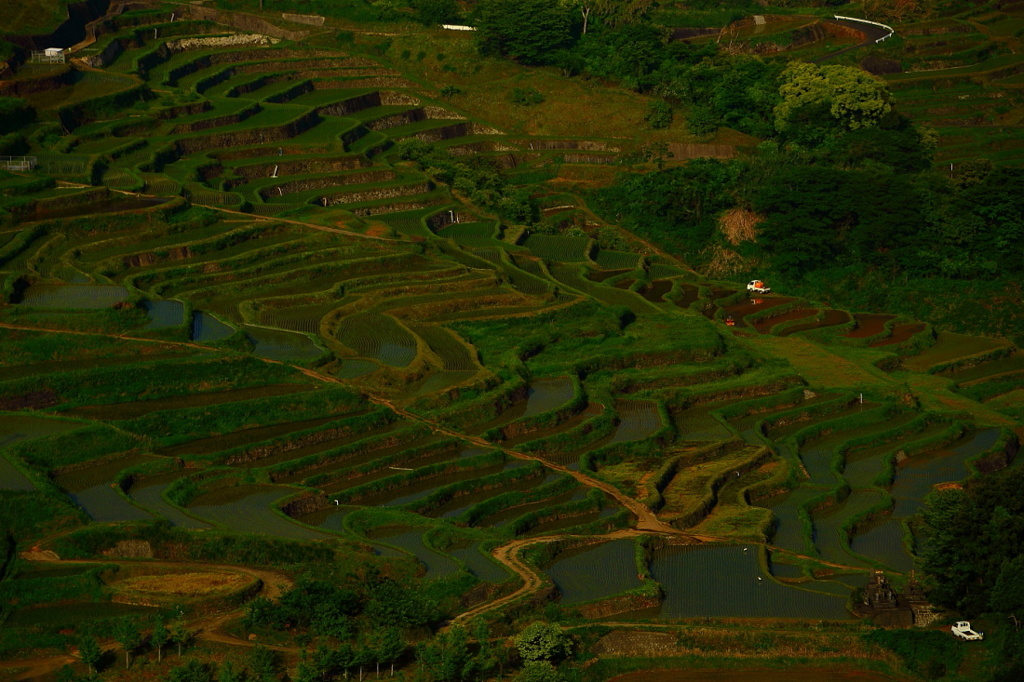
917,475
250,509
283,346
208,329
164,314
882,541
868,325
831,318
411,540
74,296
829,535
638,419
595,571
542,395
417,490
480,565
149,491
93,490
697,423
727,582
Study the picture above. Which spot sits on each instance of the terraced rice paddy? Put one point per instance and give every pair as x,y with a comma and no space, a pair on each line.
727,582
638,419
149,492
92,490
283,346
11,478
829,533
882,541
208,329
343,261
379,337
250,509
818,456
788,530
950,346
74,296
699,424
411,540
164,314
868,325
594,572
831,318
480,565
917,475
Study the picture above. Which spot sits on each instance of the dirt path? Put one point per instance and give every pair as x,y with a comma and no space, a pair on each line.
273,585
507,555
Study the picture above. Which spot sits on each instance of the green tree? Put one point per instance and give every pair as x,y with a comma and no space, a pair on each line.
539,671
447,657
388,645
542,642
228,673
89,651
529,31
160,637
181,635
1008,592
659,114
852,97
129,636
191,671
618,13
434,12
264,664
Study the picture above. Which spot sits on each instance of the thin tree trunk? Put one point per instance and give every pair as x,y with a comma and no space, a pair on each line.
585,11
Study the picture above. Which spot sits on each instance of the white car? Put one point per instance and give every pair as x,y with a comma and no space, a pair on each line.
756,286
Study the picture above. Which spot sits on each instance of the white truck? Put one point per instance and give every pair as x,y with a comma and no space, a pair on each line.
963,630
756,286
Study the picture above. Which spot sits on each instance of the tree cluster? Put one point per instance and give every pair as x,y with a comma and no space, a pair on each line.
477,177
973,555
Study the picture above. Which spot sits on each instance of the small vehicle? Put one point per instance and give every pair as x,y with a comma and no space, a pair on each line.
963,630
756,286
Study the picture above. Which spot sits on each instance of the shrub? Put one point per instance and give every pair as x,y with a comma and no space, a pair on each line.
526,97
659,114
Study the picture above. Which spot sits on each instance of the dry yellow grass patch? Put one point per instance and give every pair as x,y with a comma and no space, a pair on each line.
739,225
204,584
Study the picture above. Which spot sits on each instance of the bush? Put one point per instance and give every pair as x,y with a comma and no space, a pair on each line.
659,114
434,12
541,642
526,97
14,113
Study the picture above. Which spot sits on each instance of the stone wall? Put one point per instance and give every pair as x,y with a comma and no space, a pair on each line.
242,21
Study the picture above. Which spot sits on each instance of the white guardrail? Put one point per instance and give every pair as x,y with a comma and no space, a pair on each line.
458,27
890,29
